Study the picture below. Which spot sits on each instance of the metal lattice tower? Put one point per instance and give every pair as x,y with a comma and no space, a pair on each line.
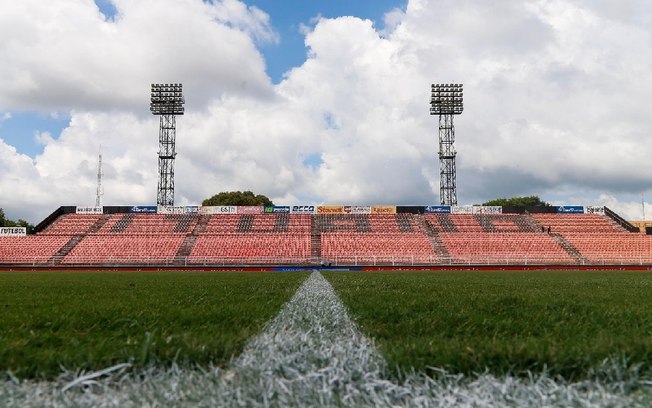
447,101
167,102
100,173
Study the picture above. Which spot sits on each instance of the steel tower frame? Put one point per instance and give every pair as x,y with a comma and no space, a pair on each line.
167,101
100,173
447,101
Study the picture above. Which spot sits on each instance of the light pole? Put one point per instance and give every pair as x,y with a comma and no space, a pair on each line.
447,101
166,102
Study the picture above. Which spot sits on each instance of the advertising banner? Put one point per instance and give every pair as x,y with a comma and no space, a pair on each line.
479,209
357,209
383,209
215,209
143,209
13,231
570,209
476,209
594,210
207,210
303,209
277,209
462,209
191,209
219,209
89,210
250,209
166,209
437,209
330,209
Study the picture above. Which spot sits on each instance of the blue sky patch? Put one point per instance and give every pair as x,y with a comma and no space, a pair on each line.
287,16
314,160
107,8
19,129
330,120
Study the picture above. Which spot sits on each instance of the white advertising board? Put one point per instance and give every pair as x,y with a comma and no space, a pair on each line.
89,210
13,231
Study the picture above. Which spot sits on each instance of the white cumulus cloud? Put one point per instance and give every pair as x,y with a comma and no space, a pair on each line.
555,102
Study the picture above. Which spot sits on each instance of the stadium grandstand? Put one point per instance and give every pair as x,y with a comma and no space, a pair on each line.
336,235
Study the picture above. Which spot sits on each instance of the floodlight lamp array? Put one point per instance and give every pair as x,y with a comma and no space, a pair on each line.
446,99
167,99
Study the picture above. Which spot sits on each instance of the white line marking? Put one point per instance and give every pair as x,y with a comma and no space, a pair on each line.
312,354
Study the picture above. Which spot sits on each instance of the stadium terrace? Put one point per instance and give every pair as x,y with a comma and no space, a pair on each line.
339,236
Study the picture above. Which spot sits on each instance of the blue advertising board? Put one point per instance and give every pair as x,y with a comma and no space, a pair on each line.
570,209
437,209
143,209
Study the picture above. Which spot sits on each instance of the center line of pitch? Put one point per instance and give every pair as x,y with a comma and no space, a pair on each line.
311,353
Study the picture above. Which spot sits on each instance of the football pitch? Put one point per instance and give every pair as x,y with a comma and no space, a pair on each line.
439,326
91,320
504,322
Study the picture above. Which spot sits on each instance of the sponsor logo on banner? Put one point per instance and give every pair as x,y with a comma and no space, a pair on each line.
479,209
476,209
594,210
250,209
226,209
361,209
207,210
216,209
191,209
357,209
383,209
168,209
570,209
143,209
89,210
437,209
13,231
303,209
330,209
277,209
462,209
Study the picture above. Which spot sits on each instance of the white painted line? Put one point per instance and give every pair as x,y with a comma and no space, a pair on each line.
312,354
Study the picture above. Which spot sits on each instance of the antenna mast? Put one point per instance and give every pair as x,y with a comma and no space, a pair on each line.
100,173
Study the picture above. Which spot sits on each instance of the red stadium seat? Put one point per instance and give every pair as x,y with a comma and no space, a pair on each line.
358,239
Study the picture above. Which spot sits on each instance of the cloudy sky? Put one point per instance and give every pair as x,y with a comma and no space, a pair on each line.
313,102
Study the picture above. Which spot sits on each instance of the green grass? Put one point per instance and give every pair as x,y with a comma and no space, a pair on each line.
92,320
506,322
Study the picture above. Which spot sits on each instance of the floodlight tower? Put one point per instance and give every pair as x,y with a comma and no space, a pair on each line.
167,101
446,101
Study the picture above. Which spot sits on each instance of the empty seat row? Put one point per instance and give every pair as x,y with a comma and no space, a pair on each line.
148,224
240,223
505,247
112,249
251,248
31,249
72,224
579,223
353,247
627,248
